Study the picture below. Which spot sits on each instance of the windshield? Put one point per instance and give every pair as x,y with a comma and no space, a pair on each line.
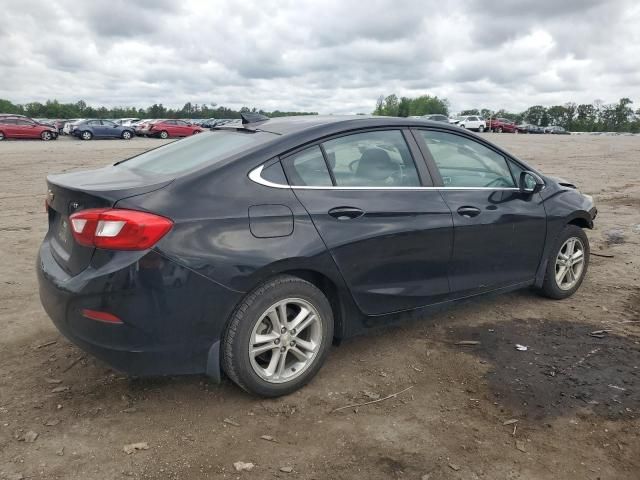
195,151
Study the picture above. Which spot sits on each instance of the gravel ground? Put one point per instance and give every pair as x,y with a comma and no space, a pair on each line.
568,407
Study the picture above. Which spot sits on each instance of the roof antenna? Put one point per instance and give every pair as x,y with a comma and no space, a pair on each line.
253,118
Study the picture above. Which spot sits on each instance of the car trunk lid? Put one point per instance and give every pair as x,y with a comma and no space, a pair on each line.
75,191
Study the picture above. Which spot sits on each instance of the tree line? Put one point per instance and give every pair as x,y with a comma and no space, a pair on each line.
593,117
54,109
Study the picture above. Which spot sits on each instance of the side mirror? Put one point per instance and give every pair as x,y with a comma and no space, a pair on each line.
530,182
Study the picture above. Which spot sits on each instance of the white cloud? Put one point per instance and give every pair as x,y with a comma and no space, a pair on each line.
331,56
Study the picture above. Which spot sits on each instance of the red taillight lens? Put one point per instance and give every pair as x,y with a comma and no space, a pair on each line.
115,229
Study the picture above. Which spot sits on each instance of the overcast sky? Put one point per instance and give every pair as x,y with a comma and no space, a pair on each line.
321,55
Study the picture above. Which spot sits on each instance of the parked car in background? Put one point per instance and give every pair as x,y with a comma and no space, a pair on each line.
25,127
288,233
500,125
209,123
68,126
528,128
556,130
168,128
471,122
95,128
142,125
126,122
436,117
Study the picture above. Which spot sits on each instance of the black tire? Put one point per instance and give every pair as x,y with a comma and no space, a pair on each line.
2,137
127,135
86,135
46,136
164,134
481,129
550,286
236,339
499,130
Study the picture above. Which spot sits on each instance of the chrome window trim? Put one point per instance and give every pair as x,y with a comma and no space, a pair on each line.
255,176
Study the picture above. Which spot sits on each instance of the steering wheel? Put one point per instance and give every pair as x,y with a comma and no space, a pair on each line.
498,182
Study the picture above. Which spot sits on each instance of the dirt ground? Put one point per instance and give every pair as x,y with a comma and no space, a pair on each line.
568,407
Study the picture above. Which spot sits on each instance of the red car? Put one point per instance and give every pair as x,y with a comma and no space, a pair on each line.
169,128
24,127
500,125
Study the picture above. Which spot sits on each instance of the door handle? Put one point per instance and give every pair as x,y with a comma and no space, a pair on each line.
346,213
469,212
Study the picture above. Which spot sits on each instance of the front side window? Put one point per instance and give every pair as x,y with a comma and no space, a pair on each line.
308,168
463,162
24,122
107,123
93,123
379,158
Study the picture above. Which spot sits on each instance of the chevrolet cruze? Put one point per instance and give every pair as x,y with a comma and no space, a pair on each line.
249,249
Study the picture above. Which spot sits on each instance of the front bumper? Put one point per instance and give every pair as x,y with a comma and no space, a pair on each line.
172,319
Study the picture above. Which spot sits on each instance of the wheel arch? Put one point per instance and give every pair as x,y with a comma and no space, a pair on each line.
581,219
330,290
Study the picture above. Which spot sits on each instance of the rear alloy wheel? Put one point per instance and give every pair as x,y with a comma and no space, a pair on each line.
86,135
278,337
164,134
126,135
46,136
567,264
499,130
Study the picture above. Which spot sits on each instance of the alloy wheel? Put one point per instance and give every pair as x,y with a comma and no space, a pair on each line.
46,136
570,263
285,340
86,135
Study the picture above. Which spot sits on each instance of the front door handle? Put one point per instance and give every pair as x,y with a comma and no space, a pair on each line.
469,212
346,213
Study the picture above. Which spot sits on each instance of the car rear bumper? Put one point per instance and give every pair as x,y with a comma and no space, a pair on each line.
172,319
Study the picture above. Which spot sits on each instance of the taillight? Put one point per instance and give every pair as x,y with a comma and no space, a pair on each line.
116,229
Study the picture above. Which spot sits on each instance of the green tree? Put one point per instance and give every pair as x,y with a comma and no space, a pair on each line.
391,105
404,107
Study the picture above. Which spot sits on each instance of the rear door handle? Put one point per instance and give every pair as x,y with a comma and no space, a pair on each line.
469,212
346,213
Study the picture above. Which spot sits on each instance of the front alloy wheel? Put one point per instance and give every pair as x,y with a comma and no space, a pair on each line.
164,134
46,136
278,337
567,264
86,135
126,135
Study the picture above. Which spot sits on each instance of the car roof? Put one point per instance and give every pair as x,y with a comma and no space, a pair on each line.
300,123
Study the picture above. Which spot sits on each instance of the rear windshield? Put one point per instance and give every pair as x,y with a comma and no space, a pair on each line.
198,150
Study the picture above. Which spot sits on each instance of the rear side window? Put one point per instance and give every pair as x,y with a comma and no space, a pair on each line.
308,168
195,151
378,158
463,162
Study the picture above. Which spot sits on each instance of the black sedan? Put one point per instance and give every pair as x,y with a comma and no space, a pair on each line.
250,248
88,129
